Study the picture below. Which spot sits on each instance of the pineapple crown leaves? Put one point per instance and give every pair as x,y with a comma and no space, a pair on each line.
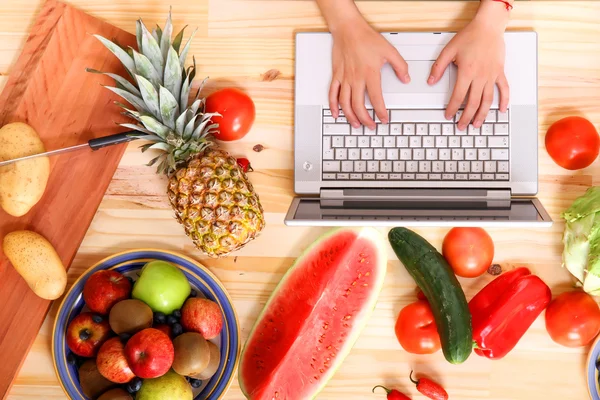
158,94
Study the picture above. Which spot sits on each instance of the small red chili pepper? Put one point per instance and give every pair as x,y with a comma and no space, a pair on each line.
392,394
244,164
429,388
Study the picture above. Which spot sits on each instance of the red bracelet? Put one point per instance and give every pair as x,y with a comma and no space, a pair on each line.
506,3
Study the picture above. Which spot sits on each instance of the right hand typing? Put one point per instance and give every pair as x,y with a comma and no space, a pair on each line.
359,52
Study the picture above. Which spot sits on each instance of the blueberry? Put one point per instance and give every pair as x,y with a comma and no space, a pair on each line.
134,385
130,279
159,318
177,314
598,364
193,293
176,329
124,337
97,318
196,383
71,359
84,334
171,320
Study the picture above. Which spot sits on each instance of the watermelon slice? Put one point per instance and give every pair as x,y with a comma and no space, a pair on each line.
314,316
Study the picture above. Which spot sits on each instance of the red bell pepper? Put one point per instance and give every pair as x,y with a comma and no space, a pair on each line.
504,309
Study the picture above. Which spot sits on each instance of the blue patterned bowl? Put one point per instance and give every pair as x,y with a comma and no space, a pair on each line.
592,372
130,263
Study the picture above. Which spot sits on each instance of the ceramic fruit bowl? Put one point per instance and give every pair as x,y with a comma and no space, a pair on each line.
130,263
592,371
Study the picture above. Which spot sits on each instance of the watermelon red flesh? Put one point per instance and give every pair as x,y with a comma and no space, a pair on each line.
313,317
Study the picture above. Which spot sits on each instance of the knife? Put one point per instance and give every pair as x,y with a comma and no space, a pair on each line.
93,144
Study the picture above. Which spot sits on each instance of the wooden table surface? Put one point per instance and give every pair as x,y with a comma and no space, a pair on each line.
247,42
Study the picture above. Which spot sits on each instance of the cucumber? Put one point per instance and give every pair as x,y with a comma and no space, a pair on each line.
435,277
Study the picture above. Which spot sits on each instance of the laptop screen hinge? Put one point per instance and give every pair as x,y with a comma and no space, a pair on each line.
492,197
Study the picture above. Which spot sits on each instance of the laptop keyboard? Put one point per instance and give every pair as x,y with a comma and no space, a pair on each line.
416,145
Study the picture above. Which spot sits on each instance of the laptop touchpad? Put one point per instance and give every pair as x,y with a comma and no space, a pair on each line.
419,73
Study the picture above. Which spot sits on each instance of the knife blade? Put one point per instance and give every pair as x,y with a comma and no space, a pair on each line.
93,144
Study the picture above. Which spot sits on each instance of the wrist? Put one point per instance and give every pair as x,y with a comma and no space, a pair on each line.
493,14
345,15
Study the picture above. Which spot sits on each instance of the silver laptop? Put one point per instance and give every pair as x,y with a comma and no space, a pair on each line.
420,169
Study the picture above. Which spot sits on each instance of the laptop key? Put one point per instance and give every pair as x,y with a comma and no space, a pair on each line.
402,141
501,129
383,129
454,141
502,177
461,177
353,154
366,154
408,129
441,141
417,115
385,166
419,154
356,131
489,166
338,141
392,154
341,154
447,129
412,166
464,166
481,141
421,177
351,141
483,154
470,154
487,129
422,129
373,166
459,132
447,177
445,154
428,141
499,154
336,129
408,177
458,154
381,177
360,166
502,166
395,177
435,129
502,116
363,141
347,166
355,177
370,132
376,141
488,177
473,131
424,166
343,176
450,166
431,154
380,154
474,177
389,141
467,141
438,166
326,112
396,129
476,166
331,166
328,176
328,154
370,177
415,141
498,141
435,177
328,120
491,116
398,166
405,154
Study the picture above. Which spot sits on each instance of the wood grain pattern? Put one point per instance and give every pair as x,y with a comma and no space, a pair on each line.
49,89
238,42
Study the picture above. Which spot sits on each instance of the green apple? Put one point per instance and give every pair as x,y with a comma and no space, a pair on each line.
170,386
162,286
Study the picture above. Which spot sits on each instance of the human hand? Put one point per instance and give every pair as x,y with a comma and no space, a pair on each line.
478,51
359,52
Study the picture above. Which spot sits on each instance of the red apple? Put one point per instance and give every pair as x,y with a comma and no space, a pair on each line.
85,336
203,316
150,353
164,328
104,289
112,363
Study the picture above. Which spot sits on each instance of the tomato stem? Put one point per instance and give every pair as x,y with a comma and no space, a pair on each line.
383,387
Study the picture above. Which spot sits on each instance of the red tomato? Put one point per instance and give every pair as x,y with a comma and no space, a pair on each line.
416,330
469,251
237,113
573,319
573,142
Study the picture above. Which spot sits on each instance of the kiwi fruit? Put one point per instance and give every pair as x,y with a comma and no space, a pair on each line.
192,354
213,363
116,394
130,316
92,383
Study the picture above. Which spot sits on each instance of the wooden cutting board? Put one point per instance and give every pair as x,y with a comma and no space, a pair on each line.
49,89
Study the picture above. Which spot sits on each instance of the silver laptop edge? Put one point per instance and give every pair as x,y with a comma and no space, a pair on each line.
383,202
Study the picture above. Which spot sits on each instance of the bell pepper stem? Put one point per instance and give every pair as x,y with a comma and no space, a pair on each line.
411,379
383,387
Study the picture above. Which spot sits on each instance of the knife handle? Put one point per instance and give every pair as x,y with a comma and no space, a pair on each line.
111,140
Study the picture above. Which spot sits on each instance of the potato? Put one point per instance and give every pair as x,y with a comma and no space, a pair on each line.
36,261
22,184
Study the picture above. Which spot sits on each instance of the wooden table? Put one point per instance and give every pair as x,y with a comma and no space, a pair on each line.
242,43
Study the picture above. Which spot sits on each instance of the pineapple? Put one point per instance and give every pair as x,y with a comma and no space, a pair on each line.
209,192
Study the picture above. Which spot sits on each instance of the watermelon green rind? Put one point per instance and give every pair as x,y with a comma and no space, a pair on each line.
359,320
